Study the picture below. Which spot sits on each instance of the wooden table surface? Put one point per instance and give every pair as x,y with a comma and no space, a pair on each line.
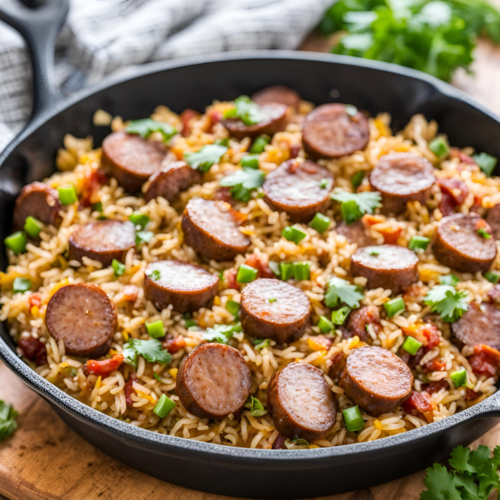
45,460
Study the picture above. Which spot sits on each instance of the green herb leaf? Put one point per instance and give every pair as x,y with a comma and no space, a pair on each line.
448,302
221,333
243,182
8,423
118,267
260,344
151,350
146,127
483,233
341,291
246,110
355,205
485,162
143,237
205,157
256,407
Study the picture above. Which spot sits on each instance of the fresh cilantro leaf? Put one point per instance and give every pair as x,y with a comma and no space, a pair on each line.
8,423
256,407
146,127
247,111
440,485
448,302
205,157
221,333
151,350
143,237
355,205
341,291
242,183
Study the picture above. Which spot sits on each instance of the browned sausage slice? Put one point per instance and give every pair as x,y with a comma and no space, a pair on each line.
493,219
186,286
131,159
301,402
329,132
274,119
355,233
298,188
376,379
479,325
387,266
211,229
278,93
102,241
82,317
274,309
168,183
213,381
402,177
457,243
37,200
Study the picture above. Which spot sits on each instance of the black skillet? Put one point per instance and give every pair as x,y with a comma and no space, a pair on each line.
194,83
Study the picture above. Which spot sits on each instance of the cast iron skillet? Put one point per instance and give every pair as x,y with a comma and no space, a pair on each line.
194,83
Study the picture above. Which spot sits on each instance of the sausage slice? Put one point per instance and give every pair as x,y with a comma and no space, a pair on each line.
186,286
376,379
213,381
329,132
82,317
131,159
170,181
278,93
387,266
479,325
355,233
211,229
274,119
402,177
102,241
493,219
274,309
457,243
298,188
301,402
40,201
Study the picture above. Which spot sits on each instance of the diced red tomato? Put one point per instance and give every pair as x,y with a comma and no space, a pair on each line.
104,367
478,201
261,263
485,360
174,345
230,278
371,220
92,182
215,117
391,234
128,389
35,300
420,403
470,395
433,336
130,292
433,387
186,116
434,366
33,349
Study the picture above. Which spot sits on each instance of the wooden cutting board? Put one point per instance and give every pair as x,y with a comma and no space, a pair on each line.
45,460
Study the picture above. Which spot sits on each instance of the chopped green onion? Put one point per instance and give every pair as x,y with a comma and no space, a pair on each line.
157,377
412,345
492,277
294,234
67,194
164,406
449,279
188,323
357,179
21,285
260,344
272,300
339,316
141,220
483,233
286,270
485,162
419,243
259,144
232,307
459,378
323,183
246,274
222,142
156,329
118,267
16,242
301,271
250,161
350,211
394,306
375,253
439,147
97,207
353,420
275,268
351,110
33,227
320,222
324,324
143,237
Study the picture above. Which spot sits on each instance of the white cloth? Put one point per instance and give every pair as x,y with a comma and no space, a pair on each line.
102,37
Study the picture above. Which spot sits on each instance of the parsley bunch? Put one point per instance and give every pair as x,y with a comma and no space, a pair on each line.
243,183
341,291
432,36
473,476
449,302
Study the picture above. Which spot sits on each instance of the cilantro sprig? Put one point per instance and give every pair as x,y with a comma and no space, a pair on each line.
206,157
473,475
8,423
151,350
146,127
242,183
448,302
355,205
221,333
246,110
340,291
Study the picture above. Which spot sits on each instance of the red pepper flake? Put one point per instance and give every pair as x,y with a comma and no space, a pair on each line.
279,442
420,403
186,116
104,367
35,300
130,292
128,389
433,387
174,345
434,366
485,360
261,263
33,349
92,182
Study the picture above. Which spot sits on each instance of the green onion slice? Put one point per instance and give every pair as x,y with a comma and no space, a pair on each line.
394,307
164,406
156,329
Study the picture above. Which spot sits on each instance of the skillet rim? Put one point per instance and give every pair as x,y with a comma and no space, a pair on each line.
487,408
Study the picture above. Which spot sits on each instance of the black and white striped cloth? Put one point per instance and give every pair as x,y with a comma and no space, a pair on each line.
102,37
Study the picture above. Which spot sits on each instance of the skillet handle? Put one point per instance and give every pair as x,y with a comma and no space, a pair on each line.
39,27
